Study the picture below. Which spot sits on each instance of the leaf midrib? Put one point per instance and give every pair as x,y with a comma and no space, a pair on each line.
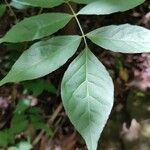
33,65
87,90
125,40
26,3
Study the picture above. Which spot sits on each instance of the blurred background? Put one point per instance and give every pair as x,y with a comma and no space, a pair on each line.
31,112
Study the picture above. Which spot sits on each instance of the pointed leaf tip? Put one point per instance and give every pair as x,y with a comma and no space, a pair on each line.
42,58
87,94
103,7
2,82
123,38
36,27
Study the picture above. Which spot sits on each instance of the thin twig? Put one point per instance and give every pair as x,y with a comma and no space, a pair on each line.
40,11
11,10
50,121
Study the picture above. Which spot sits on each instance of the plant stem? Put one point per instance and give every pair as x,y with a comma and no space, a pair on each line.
40,11
50,121
11,10
78,22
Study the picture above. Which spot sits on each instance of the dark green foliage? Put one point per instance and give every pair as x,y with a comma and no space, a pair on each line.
23,116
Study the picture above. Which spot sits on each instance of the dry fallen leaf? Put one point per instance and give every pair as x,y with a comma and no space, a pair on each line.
132,133
68,143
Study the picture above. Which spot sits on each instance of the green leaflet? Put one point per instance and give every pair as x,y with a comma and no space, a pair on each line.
23,145
36,27
18,5
123,38
102,7
83,1
40,3
43,58
87,94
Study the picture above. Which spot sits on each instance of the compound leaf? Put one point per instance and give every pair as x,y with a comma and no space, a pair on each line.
36,27
103,7
87,94
43,58
40,3
123,38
